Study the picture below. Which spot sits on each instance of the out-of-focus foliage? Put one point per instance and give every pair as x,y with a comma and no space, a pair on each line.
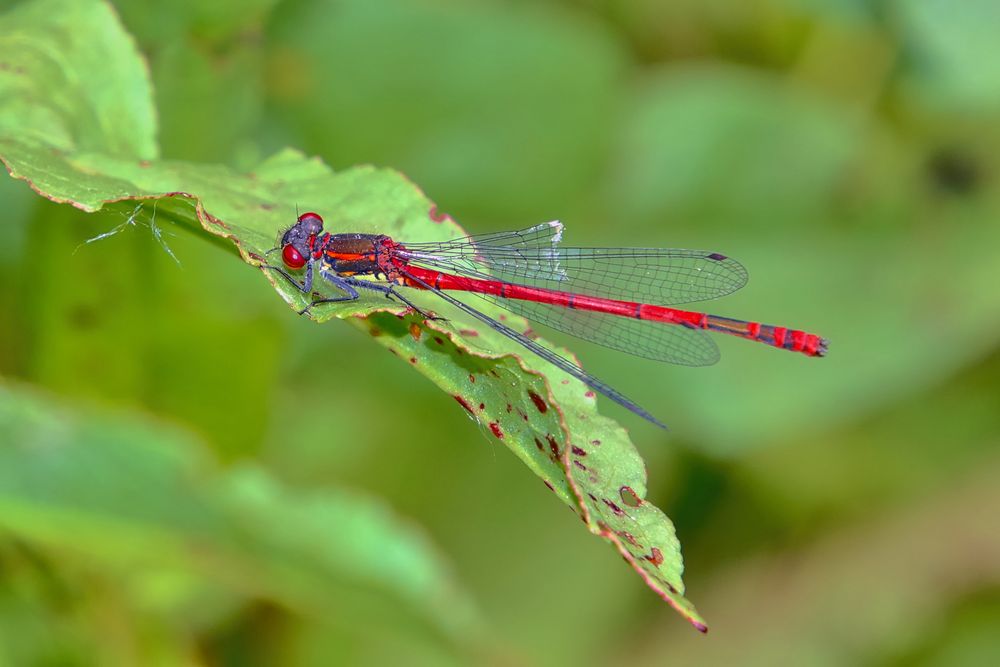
833,511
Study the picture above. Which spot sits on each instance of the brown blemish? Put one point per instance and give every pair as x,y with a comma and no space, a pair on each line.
539,402
589,394
267,206
415,331
482,406
553,445
551,488
579,465
436,215
538,443
656,558
464,404
628,537
468,333
578,451
629,496
413,360
495,427
438,340
472,378
375,332
595,443
614,508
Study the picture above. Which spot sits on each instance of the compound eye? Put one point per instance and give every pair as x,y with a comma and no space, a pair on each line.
292,258
311,222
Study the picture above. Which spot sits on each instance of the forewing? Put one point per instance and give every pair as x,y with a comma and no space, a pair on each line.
661,276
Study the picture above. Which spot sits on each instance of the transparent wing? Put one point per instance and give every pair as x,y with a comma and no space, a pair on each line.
650,340
532,256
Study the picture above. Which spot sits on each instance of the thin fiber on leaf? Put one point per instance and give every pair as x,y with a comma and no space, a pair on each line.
545,417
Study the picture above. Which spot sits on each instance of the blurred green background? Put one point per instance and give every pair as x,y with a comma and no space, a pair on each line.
836,511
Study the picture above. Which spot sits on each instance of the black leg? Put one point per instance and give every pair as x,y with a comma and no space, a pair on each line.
305,286
390,292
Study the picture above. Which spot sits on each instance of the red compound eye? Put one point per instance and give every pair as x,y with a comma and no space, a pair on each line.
292,258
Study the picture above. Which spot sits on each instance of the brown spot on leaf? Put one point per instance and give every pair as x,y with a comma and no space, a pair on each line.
468,333
579,465
472,378
436,215
375,332
415,331
495,427
578,451
629,496
438,340
551,488
628,537
553,445
413,360
538,443
539,402
655,557
464,404
614,508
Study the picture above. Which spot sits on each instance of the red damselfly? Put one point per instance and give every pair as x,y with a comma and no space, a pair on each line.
616,297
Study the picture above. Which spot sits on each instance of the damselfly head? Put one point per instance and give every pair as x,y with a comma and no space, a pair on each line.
298,241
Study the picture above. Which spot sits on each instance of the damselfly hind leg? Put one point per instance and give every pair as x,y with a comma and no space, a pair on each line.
391,292
350,294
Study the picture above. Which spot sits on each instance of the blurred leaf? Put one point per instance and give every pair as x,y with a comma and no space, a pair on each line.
61,89
953,62
728,143
586,459
525,93
142,500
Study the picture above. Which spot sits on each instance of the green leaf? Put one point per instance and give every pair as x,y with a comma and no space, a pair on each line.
123,492
545,417
528,93
72,80
953,62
